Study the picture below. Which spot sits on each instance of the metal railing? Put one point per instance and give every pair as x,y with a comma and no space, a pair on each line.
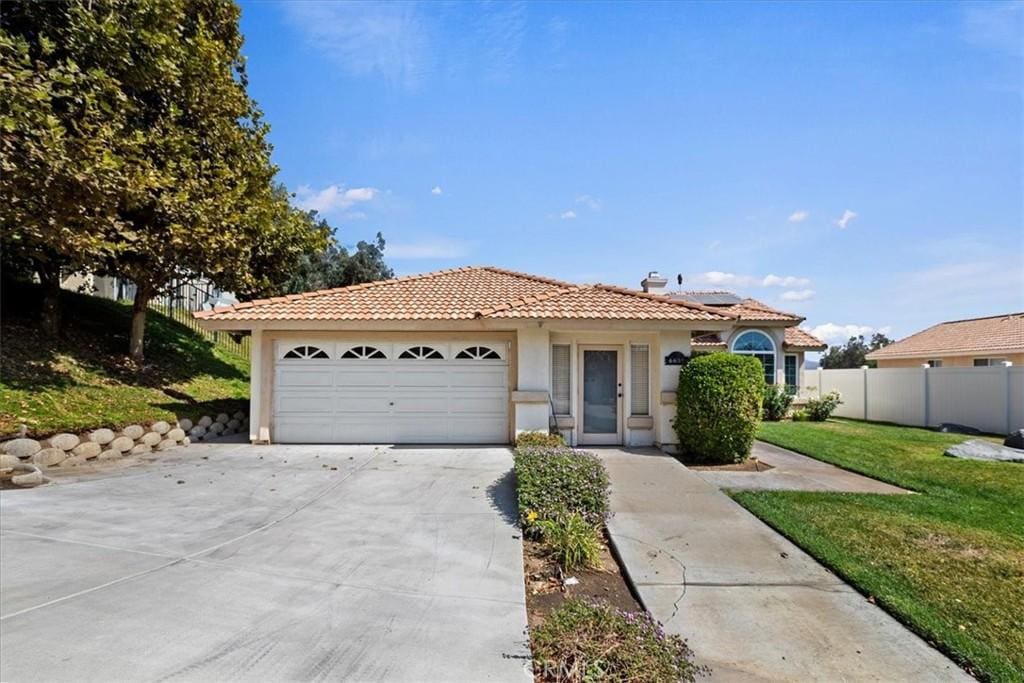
179,302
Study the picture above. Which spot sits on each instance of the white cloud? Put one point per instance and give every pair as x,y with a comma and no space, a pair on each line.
714,244
995,26
426,249
838,334
592,203
720,279
568,215
333,198
848,217
436,190
799,216
785,281
798,295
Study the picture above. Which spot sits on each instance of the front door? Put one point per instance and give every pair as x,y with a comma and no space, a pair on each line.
601,395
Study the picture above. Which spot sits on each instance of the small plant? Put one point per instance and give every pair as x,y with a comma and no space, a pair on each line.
572,542
718,407
539,439
552,483
777,401
592,641
800,415
820,409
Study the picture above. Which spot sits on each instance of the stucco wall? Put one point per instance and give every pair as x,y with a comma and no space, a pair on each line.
669,374
950,361
533,374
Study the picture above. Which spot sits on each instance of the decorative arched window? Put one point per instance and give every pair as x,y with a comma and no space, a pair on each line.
420,353
759,345
477,353
307,353
363,353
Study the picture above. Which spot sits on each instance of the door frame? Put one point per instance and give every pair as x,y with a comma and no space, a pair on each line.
610,439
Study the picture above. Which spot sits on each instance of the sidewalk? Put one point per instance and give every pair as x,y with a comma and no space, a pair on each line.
752,605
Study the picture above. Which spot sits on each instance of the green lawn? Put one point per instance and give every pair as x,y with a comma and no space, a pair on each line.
84,379
948,562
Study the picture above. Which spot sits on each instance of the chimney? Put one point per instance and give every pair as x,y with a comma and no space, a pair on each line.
654,283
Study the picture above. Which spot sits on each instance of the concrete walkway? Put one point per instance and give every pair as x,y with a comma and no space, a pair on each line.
752,605
233,562
794,472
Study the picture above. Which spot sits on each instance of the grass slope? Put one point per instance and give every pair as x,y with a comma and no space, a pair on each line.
948,562
84,379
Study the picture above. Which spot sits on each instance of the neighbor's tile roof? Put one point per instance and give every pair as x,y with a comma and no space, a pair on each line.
752,309
466,293
795,339
998,333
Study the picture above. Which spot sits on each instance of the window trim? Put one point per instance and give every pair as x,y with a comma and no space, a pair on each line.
934,362
637,392
989,362
796,370
420,352
306,352
774,354
556,400
478,352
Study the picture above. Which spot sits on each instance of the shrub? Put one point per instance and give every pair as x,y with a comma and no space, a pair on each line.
777,401
572,542
718,407
800,415
591,641
553,483
539,439
820,409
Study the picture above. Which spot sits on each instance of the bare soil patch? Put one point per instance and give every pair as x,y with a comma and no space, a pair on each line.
748,465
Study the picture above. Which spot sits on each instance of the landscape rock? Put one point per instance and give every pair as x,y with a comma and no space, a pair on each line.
64,441
160,427
139,449
223,418
205,421
74,461
234,423
151,438
133,432
976,449
1015,439
121,444
9,460
185,424
102,436
22,448
216,428
166,444
33,478
87,449
197,432
953,428
186,441
176,434
109,454
239,415
48,457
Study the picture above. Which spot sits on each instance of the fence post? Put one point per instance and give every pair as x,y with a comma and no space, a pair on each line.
1009,396
927,409
864,369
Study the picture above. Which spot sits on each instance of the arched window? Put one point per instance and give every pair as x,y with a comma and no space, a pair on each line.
306,353
420,353
477,353
759,345
363,353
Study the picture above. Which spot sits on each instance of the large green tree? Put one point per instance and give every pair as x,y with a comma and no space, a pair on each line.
336,266
190,189
853,353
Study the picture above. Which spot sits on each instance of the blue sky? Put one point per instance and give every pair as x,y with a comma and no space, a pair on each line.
860,164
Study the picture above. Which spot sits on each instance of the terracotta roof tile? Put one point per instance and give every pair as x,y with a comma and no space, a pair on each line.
467,293
998,333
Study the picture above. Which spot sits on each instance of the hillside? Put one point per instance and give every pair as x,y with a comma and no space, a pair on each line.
85,379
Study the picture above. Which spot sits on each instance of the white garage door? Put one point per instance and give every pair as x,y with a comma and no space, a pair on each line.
377,392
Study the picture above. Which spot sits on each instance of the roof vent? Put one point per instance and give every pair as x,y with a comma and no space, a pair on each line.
654,283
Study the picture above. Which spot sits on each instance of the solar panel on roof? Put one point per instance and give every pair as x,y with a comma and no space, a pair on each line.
710,298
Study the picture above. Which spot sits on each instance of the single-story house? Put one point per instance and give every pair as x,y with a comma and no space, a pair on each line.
976,342
479,354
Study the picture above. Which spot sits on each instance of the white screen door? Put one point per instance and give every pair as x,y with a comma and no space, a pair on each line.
601,389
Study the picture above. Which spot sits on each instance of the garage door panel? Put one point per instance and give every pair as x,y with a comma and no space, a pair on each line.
306,377
305,403
358,400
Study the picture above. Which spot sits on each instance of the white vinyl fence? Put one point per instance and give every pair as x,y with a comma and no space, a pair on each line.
990,399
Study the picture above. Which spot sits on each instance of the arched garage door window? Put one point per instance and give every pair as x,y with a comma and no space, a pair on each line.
759,345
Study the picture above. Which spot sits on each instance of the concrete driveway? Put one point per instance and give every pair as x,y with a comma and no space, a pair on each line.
234,562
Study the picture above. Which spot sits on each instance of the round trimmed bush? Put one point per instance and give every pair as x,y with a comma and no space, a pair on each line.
718,407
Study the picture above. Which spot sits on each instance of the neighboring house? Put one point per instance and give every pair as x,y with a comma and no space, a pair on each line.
977,342
476,355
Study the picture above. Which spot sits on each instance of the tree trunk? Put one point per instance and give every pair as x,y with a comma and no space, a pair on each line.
143,293
49,278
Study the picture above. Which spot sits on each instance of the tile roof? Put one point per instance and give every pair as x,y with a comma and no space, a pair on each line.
752,309
465,294
795,339
977,335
